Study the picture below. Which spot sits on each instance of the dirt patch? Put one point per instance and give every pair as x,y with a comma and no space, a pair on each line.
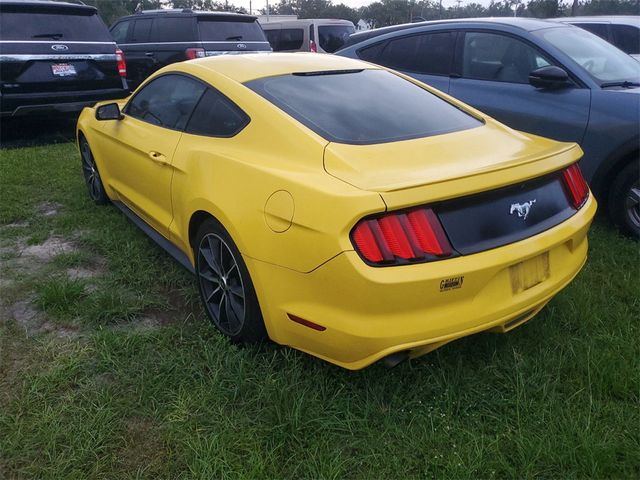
51,247
142,445
80,273
34,322
48,209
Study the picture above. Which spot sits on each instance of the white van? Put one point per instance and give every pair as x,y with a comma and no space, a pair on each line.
310,35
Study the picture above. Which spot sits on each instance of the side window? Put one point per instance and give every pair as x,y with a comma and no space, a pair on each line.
599,29
166,101
371,53
273,37
216,116
490,56
627,38
119,32
291,39
172,29
429,53
141,30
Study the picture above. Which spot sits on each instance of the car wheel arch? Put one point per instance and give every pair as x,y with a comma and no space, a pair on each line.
606,173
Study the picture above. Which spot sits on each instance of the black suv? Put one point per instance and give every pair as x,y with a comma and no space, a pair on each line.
152,39
56,57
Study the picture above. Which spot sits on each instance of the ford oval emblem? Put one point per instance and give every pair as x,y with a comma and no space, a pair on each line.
241,46
59,48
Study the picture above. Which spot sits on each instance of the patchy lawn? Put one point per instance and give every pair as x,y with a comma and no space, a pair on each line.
109,369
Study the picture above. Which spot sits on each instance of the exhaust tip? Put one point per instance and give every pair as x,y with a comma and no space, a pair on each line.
395,359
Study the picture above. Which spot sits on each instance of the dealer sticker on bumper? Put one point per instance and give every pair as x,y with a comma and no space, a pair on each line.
63,70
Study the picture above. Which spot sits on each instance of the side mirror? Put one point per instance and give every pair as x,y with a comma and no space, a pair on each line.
110,111
549,77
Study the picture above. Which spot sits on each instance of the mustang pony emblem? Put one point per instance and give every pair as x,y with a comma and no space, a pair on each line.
522,209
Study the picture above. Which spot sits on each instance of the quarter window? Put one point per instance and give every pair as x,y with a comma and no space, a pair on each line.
119,32
627,38
428,53
166,101
216,116
489,56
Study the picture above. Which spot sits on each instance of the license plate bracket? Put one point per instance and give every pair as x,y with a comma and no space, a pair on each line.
529,273
63,70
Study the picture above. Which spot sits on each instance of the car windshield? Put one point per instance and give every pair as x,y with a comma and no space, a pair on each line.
362,106
332,37
216,29
604,62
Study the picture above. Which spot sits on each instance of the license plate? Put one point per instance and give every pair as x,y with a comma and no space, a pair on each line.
529,273
63,70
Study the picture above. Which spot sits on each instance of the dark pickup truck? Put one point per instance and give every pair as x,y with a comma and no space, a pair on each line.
56,57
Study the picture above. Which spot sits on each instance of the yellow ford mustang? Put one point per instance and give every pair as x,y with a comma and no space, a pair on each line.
338,207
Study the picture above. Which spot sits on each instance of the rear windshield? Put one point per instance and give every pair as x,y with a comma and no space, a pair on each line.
56,26
220,30
332,37
362,106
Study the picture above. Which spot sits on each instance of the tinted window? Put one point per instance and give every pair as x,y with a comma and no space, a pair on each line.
119,32
332,37
626,38
219,29
362,106
141,29
429,53
172,30
290,39
272,38
63,26
600,29
166,101
216,116
489,56
372,53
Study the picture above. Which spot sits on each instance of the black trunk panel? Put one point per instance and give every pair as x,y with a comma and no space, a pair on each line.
499,217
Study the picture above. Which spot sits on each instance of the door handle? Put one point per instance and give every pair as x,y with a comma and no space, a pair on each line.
158,158
150,54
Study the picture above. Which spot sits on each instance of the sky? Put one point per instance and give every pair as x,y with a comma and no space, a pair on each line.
256,4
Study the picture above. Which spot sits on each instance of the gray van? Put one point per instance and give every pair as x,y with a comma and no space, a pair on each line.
320,35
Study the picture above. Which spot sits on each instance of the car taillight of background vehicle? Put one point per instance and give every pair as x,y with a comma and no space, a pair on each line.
122,64
402,237
192,53
575,185
312,46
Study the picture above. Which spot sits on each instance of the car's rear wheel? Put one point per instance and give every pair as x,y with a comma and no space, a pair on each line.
225,286
624,200
91,174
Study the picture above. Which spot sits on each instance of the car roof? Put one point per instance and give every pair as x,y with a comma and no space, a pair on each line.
48,4
307,21
527,24
246,67
182,12
617,19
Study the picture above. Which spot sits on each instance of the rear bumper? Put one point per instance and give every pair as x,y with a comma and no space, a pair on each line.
19,104
370,312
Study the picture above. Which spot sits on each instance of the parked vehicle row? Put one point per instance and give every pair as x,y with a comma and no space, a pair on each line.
550,79
270,178
56,57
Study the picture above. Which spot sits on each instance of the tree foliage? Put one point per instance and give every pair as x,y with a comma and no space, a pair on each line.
388,12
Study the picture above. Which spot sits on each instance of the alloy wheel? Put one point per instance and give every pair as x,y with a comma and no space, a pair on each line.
91,175
221,284
632,204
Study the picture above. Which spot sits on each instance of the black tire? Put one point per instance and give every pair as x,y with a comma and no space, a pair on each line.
91,175
225,286
624,201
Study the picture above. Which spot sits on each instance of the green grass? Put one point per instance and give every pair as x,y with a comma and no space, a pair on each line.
558,397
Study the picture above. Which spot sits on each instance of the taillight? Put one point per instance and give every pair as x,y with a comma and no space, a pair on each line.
122,64
575,185
192,53
312,46
402,237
